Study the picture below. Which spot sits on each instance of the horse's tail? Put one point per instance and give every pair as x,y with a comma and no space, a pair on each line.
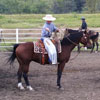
13,55
97,34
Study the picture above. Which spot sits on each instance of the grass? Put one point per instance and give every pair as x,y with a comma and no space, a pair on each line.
35,20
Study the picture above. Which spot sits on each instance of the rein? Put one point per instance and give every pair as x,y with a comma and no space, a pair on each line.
69,39
74,56
72,41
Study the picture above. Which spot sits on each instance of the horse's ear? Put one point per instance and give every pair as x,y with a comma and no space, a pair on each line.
66,29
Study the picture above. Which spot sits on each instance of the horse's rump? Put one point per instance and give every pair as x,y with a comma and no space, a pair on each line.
94,36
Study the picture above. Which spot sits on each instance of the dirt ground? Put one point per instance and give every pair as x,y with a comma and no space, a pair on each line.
80,80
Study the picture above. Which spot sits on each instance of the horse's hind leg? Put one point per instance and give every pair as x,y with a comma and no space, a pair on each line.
19,74
25,76
93,45
97,44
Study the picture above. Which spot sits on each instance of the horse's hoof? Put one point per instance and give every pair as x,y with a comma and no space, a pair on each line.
20,86
85,48
96,51
57,87
30,88
60,88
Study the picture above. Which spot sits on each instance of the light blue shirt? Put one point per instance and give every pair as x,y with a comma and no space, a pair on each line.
51,27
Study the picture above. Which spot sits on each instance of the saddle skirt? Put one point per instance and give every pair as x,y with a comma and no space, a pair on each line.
40,48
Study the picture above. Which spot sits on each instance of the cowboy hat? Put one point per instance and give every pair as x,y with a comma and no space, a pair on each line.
49,18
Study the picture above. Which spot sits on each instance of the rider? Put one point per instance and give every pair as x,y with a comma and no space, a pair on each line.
84,24
47,30
83,28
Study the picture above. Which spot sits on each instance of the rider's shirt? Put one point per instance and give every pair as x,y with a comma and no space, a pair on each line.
51,27
84,25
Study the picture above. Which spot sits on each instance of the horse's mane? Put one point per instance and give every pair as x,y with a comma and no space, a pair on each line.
71,31
73,37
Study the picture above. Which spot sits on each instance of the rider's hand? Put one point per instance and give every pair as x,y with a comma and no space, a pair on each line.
57,30
47,29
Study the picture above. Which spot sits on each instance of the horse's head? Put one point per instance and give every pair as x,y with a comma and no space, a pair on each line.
85,40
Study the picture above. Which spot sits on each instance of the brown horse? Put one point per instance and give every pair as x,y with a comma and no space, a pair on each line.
94,37
25,54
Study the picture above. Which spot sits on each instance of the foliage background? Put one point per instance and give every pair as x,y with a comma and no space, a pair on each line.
49,6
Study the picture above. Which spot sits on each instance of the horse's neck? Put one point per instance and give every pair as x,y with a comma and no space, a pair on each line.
72,47
68,48
66,52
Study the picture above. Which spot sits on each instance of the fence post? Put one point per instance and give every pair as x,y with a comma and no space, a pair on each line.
17,35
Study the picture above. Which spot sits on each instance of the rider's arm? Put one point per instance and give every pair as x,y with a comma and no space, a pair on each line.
55,29
45,31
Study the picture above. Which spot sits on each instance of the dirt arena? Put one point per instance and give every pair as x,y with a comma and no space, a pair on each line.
80,80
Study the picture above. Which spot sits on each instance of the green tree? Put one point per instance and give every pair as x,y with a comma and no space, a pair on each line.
11,6
98,6
64,6
79,5
48,6
40,6
91,5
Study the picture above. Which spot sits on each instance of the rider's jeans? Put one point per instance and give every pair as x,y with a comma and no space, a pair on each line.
51,49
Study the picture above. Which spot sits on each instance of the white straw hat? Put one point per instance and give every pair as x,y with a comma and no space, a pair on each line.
49,17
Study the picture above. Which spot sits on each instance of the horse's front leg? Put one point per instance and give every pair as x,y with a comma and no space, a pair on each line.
78,48
59,73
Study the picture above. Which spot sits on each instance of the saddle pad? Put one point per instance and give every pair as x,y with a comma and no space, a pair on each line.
38,48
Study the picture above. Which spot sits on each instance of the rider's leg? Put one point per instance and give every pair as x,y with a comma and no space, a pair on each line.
51,50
